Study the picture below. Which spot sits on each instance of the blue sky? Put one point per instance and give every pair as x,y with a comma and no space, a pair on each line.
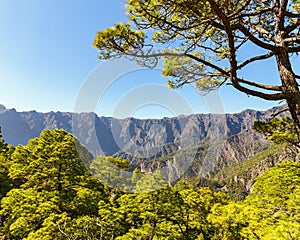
47,59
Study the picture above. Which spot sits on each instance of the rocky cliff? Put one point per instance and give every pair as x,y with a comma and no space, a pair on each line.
195,145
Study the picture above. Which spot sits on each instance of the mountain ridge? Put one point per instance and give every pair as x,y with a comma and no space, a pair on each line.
89,128
273,109
228,138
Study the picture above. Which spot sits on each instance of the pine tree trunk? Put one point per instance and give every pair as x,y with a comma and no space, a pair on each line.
289,87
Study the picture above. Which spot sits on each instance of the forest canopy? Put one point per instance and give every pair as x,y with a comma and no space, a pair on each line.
47,192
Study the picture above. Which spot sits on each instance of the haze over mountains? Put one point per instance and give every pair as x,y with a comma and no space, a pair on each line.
214,140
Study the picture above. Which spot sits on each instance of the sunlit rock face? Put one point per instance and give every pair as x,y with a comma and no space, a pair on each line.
209,141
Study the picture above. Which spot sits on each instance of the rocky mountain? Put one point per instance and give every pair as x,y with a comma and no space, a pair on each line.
197,145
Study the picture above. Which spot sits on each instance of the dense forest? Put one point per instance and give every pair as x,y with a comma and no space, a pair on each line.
51,189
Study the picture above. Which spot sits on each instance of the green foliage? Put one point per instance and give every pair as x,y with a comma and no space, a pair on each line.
184,69
60,226
168,213
276,198
54,197
54,183
201,41
277,185
25,210
163,22
112,172
278,130
271,212
150,182
5,160
119,37
236,190
50,162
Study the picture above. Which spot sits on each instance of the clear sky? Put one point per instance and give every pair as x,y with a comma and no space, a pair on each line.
47,63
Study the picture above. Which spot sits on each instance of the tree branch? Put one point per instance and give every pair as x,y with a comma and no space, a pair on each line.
266,96
221,70
230,40
294,49
171,24
282,11
256,58
255,40
292,15
244,40
292,39
169,54
263,32
262,86
251,14
279,112
297,76
292,27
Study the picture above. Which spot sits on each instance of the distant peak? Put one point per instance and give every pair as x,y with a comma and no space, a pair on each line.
2,108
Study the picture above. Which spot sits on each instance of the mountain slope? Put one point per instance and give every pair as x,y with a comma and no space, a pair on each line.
197,145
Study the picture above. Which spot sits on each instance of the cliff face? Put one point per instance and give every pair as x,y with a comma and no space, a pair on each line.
195,145
238,179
